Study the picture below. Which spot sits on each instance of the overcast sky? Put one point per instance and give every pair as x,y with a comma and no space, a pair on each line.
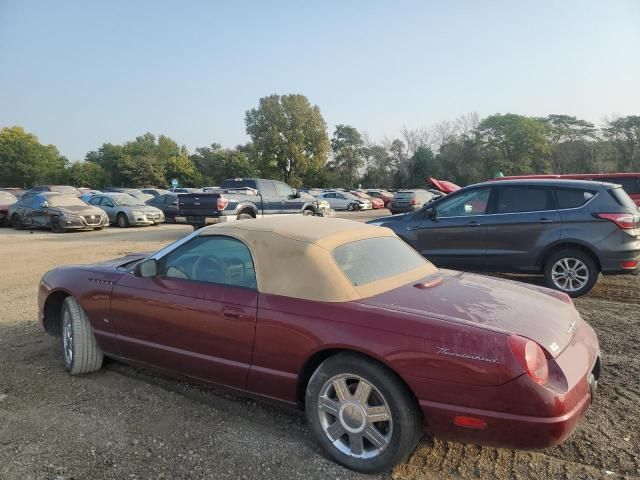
80,73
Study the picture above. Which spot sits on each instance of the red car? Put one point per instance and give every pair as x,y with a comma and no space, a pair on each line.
630,181
375,202
344,320
383,195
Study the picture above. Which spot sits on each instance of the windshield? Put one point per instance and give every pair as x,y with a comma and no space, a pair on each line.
6,197
64,201
366,261
127,201
404,195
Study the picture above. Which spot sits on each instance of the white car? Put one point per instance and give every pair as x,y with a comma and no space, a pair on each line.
345,201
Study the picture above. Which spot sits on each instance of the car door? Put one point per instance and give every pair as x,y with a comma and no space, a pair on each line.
109,206
271,202
342,201
290,203
169,206
24,209
197,316
39,211
455,235
524,221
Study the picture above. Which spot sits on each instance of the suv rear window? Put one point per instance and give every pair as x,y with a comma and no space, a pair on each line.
366,261
622,198
523,199
404,195
573,197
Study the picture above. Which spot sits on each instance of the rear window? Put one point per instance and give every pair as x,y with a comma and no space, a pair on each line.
404,195
366,261
573,197
631,185
239,183
622,198
523,199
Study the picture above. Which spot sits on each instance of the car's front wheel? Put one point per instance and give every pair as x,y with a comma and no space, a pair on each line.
571,271
122,220
81,351
362,415
16,221
57,226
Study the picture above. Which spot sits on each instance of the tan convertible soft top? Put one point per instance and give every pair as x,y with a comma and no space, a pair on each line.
293,256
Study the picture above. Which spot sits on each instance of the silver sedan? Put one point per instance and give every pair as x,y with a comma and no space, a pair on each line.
125,210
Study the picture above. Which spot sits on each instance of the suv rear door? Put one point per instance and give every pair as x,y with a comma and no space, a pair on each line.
524,221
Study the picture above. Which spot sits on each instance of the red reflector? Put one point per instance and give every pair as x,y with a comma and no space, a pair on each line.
469,422
626,221
630,264
414,202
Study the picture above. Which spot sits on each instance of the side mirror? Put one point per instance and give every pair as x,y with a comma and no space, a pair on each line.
146,269
296,193
430,213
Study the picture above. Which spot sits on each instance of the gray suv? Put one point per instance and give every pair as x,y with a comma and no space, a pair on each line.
568,230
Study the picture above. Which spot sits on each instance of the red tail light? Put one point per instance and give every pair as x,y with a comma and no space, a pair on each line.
414,202
626,221
629,264
531,358
222,203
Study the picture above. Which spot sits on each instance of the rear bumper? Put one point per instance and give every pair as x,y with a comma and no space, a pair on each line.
613,263
203,220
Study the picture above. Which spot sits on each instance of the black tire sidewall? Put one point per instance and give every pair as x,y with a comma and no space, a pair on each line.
125,222
407,420
245,216
66,311
56,226
585,258
16,221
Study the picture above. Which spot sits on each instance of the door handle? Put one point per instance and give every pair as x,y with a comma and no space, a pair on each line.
413,227
546,220
231,313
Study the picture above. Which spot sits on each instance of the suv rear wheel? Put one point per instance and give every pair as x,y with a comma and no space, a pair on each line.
571,271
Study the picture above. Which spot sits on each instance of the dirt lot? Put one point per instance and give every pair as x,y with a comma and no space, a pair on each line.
124,423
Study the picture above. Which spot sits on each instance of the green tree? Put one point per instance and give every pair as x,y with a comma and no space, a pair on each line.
24,161
423,164
289,135
217,164
624,134
348,147
87,174
514,144
378,169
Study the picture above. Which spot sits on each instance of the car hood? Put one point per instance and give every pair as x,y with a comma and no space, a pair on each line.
77,210
545,316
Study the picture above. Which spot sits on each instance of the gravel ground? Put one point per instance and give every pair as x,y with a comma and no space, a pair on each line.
124,422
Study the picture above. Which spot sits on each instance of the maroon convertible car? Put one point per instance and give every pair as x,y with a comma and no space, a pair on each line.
344,320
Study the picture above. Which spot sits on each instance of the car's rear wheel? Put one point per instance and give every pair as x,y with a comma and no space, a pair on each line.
245,216
571,271
351,207
80,348
307,212
361,414
16,221
122,220
56,224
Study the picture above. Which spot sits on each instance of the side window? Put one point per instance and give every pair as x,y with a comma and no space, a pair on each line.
211,259
520,199
573,197
107,202
465,204
268,189
28,201
283,189
95,200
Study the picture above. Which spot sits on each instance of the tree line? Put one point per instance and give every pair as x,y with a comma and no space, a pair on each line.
290,142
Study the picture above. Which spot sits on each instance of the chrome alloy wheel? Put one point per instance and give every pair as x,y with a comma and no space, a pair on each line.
67,337
355,416
569,274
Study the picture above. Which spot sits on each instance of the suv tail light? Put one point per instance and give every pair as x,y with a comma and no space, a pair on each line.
222,203
626,221
414,202
531,358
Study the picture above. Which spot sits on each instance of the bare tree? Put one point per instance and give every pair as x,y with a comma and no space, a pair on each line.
466,124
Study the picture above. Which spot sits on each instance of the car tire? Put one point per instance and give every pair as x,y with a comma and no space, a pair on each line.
81,352
571,271
56,224
307,212
16,221
351,207
245,216
393,439
122,221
